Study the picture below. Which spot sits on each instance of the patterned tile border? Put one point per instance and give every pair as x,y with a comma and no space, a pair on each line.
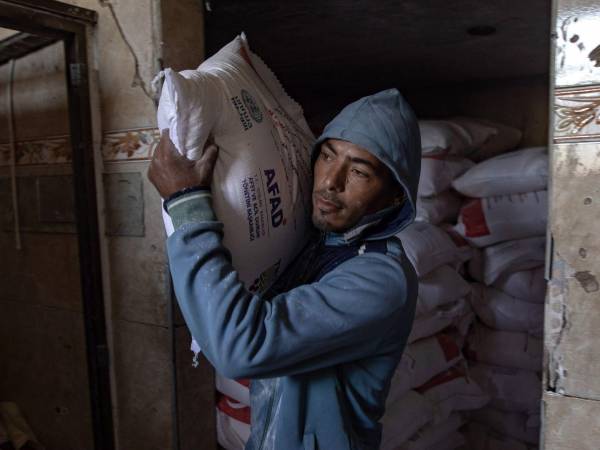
130,145
577,114
51,150
126,145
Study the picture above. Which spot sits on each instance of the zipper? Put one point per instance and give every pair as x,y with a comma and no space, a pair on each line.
269,413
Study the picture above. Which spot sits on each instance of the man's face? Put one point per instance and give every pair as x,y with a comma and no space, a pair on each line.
349,183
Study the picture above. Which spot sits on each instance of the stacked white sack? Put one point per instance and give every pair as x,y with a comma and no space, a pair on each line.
233,423
505,220
437,259
447,146
430,387
509,198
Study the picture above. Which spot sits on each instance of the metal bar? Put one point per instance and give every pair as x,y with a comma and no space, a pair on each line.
88,235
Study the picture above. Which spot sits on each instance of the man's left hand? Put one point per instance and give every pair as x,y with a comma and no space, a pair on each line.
171,172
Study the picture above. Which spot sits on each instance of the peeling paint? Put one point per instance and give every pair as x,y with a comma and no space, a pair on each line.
588,282
556,323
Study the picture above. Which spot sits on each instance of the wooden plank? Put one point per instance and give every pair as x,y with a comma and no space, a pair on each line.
66,10
22,44
570,423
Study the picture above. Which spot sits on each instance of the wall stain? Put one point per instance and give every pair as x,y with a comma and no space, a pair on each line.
595,56
587,280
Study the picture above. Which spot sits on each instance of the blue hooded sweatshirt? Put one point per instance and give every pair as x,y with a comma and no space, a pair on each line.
322,345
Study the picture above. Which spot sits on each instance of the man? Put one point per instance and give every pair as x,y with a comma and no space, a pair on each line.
321,346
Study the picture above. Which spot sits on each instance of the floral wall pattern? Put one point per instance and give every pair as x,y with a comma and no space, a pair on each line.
125,145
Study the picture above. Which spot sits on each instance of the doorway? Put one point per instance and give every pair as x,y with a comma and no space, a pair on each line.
52,307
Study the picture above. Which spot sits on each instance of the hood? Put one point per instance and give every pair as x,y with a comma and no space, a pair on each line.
386,126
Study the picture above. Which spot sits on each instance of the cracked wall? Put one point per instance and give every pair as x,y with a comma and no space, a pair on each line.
571,402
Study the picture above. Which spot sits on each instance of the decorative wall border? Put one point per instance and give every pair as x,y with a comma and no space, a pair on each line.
124,145
130,145
50,150
577,114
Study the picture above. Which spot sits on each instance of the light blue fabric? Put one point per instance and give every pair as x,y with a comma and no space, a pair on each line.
386,126
322,346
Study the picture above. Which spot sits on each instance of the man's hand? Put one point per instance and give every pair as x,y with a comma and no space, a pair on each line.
171,172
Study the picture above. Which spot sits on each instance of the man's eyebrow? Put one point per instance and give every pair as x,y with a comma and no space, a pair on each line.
329,147
365,162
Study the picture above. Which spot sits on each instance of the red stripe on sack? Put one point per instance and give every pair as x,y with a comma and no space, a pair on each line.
243,382
448,346
473,218
229,407
444,377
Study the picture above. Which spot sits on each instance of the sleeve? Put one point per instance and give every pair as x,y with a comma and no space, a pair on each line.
343,317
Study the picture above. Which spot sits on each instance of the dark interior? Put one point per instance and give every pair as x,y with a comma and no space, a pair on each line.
330,52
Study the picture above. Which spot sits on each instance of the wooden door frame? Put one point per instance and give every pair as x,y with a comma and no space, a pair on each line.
70,24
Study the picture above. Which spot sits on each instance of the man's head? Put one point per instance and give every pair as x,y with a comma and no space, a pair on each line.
367,159
349,183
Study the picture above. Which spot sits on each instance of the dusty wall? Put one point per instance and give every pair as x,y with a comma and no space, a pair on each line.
571,402
160,401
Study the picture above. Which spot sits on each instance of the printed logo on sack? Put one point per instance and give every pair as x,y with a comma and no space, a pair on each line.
251,106
277,218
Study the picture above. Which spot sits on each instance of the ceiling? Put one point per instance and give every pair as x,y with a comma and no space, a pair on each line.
334,48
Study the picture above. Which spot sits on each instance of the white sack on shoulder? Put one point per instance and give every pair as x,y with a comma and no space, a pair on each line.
487,221
502,312
528,285
500,259
403,418
421,361
504,348
510,389
429,247
439,287
262,179
517,172
443,207
437,173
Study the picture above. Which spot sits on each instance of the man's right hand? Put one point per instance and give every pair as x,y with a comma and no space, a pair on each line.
171,172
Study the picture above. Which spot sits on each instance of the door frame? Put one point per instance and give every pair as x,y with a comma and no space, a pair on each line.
71,24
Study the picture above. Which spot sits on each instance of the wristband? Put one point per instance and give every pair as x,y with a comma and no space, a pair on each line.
181,193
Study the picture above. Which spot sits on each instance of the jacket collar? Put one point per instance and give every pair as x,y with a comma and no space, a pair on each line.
380,225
